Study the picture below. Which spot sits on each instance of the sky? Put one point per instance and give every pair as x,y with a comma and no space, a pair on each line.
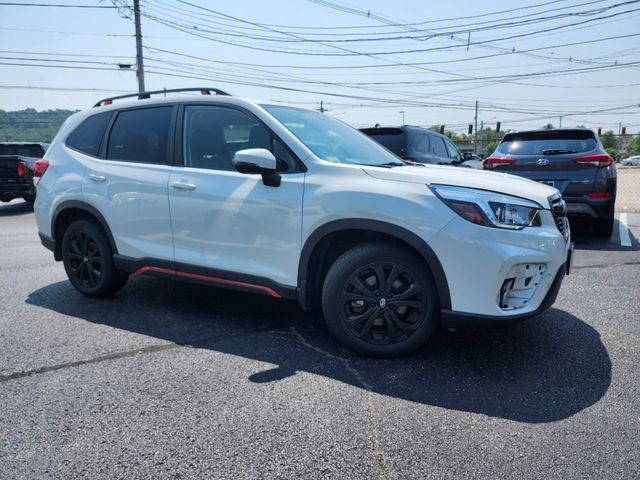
418,62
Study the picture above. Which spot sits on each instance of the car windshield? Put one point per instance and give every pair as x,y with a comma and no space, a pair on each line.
547,143
331,139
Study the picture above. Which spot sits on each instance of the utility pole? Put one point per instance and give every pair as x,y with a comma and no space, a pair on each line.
139,64
475,129
322,109
402,112
560,126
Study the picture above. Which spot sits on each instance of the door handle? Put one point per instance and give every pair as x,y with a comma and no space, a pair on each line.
183,186
97,178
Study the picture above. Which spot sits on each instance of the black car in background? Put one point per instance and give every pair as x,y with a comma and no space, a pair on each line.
416,144
17,164
573,161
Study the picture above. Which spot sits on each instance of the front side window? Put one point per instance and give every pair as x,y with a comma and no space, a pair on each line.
451,150
212,136
87,136
438,148
140,135
330,139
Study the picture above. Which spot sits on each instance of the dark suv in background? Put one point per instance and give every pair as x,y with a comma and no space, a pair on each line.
571,160
416,144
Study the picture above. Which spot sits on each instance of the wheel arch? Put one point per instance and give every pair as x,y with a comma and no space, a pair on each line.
318,244
69,211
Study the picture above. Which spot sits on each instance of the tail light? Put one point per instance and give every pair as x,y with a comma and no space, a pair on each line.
38,170
493,162
22,169
599,194
598,159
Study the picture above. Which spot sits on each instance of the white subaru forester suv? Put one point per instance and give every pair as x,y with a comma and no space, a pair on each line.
295,204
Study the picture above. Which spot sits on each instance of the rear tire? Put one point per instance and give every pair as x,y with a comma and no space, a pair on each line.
88,260
603,227
380,300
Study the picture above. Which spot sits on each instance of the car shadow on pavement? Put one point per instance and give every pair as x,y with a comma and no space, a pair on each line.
542,370
584,238
15,208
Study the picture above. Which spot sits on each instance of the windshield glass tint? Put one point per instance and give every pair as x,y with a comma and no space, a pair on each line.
539,143
330,139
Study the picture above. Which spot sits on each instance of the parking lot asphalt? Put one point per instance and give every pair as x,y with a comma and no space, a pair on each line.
171,380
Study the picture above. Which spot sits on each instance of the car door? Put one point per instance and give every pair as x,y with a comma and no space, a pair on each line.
229,223
128,181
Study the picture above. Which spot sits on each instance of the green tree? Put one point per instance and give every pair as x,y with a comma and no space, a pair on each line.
614,152
633,145
29,125
609,140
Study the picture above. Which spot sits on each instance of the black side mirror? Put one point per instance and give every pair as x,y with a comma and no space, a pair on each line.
258,160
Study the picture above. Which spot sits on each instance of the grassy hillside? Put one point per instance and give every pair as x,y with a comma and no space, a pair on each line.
30,125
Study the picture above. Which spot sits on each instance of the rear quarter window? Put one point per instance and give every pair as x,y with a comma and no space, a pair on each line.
87,136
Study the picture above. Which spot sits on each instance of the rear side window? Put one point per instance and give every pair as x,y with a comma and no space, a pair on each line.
547,143
421,144
392,138
35,151
87,136
140,135
438,148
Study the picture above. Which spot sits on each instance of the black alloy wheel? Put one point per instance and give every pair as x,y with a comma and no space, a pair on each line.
383,303
380,300
88,260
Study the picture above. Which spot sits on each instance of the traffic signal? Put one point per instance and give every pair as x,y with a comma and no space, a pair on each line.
470,131
441,129
624,130
599,131
497,126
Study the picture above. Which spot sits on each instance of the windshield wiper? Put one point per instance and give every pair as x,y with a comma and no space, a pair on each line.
557,151
387,164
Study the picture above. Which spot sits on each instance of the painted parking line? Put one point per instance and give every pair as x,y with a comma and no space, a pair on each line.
625,239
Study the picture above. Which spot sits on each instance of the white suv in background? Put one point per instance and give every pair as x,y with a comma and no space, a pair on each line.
295,204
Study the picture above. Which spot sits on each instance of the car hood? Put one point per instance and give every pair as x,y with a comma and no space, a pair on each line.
467,177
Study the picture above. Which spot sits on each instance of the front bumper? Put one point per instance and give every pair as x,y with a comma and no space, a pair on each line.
479,261
453,319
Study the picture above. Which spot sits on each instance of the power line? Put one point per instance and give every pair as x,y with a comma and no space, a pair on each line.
54,5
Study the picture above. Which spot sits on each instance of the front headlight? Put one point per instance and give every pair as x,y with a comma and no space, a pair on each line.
490,209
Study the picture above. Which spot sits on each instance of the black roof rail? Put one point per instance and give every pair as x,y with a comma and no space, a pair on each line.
143,95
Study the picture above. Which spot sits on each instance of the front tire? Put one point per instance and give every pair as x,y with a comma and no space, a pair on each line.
380,300
88,260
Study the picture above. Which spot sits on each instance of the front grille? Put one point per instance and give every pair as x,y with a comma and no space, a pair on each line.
559,211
